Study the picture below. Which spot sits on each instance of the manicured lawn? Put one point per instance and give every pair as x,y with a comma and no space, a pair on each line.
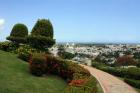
15,77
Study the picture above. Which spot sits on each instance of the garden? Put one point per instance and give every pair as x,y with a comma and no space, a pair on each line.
77,77
40,63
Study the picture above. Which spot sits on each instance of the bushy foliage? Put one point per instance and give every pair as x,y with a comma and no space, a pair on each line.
18,33
95,64
113,65
131,82
41,34
19,30
24,52
83,83
138,64
111,70
43,27
37,64
104,69
8,46
76,75
120,72
133,72
125,60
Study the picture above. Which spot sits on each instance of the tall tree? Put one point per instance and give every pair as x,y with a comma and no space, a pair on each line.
125,60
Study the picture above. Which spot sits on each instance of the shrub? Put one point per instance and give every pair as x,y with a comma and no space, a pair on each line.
88,84
75,59
111,71
24,52
76,75
41,34
8,46
85,64
133,72
138,65
18,33
95,64
113,65
37,66
131,82
104,69
43,27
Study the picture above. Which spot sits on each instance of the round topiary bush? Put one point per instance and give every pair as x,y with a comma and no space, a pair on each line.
41,35
43,27
133,72
18,33
95,64
19,30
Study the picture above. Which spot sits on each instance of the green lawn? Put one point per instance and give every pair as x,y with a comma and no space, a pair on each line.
15,77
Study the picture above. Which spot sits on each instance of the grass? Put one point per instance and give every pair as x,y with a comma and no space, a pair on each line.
100,90
15,77
138,90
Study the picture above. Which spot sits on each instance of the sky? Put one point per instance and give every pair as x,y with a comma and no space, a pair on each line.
95,21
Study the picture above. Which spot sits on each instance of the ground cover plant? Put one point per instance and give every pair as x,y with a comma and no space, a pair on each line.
66,69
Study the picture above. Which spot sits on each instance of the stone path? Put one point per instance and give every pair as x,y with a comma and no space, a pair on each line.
109,83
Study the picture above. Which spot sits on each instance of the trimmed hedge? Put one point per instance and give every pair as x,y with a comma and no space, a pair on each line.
95,64
133,72
134,83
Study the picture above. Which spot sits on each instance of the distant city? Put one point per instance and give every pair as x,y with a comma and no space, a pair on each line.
92,50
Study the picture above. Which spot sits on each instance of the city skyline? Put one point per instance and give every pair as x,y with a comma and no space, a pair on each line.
83,21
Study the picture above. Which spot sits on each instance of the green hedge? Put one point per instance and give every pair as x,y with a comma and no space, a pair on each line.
134,83
95,64
133,72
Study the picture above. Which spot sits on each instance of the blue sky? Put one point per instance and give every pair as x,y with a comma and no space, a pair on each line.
99,21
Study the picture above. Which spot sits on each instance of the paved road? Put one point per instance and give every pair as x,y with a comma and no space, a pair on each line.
109,83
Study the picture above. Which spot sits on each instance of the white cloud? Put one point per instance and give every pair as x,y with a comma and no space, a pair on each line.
1,24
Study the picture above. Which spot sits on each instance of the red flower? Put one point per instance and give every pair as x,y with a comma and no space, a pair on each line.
51,62
58,67
38,65
89,88
77,82
79,85
69,84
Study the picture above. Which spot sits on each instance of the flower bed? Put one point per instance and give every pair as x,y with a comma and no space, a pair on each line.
77,76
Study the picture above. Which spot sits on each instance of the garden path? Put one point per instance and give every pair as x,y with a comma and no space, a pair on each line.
110,83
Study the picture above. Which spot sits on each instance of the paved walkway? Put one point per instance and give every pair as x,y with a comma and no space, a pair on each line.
109,83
